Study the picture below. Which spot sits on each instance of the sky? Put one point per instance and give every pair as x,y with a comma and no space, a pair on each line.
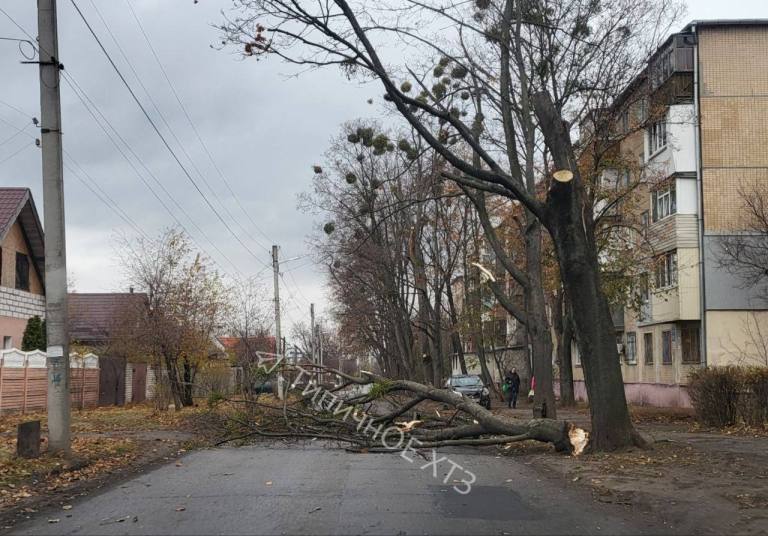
263,126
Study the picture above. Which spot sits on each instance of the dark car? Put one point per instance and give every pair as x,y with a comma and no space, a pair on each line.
472,387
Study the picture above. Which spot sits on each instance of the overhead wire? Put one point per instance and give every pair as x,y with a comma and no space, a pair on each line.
85,99
208,153
169,128
101,194
160,134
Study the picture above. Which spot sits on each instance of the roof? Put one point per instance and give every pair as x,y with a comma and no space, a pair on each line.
258,343
93,316
725,22
16,204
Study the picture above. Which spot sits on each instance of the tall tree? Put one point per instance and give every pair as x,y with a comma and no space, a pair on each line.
542,65
186,305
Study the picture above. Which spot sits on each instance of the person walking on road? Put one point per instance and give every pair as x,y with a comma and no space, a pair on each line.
512,379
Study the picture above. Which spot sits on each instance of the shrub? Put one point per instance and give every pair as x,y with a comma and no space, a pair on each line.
723,396
755,404
714,393
34,335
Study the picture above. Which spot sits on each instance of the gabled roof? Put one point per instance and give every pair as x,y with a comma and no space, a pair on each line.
92,317
16,204
256,343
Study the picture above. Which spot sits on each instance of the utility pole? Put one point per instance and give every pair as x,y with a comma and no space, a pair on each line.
278,338
312,335
55,248
320,345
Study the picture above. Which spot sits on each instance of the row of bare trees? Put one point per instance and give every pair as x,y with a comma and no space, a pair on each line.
495,89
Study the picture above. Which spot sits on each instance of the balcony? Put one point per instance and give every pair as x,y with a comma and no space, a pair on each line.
676,56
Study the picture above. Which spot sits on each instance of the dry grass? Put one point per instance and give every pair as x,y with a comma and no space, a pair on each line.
104,440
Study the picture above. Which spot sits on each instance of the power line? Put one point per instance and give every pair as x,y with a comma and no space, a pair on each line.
20,150
85,100
170,129
193,126
103,196
72,82
160,134
90,106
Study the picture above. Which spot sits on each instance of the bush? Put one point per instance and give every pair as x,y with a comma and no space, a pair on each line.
723,396
755,406
34,335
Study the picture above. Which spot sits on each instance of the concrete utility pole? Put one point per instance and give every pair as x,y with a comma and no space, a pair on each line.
55,247
278,337
312,334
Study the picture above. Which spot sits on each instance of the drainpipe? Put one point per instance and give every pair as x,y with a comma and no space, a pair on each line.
700,194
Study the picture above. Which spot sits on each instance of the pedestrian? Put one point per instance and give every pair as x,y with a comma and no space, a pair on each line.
512,383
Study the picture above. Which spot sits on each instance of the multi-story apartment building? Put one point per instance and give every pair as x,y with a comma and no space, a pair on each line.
696,125
22,258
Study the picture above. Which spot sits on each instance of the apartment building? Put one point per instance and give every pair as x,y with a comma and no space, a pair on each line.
701,109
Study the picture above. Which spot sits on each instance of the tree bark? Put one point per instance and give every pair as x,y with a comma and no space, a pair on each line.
564,333
538,324
569,220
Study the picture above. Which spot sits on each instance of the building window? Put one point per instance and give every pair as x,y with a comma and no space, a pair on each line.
689,339
657,136
648,348
664,202
22,272
631,351
624,121
7,342
644,223
666,347
666,270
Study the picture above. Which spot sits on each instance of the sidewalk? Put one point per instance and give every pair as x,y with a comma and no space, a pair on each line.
692,478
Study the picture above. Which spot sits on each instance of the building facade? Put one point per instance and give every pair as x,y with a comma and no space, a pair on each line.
22,265
702,111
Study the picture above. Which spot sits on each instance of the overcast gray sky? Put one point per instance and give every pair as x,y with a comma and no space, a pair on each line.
264,129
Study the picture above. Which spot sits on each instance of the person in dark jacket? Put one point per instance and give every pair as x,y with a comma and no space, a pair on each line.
512,379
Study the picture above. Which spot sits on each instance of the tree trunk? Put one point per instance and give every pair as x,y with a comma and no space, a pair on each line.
186,388
567,396
564,333
569,219
455,335
173,382
538,324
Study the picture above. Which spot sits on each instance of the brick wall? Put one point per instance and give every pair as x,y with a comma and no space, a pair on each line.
19,304
734,114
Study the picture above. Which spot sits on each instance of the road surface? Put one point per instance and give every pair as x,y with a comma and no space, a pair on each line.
315,490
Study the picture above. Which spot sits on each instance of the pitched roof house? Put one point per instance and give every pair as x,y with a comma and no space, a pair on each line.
22,264
93,317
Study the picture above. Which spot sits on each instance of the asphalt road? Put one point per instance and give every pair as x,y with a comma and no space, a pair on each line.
314,490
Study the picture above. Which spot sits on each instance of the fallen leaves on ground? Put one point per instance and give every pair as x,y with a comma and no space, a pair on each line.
104,440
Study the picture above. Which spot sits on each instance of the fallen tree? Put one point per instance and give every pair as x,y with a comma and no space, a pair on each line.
368,412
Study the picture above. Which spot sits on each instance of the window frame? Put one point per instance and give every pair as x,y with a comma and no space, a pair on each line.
690,339
664,202
648,349
630,352
22,283
658,137
666,347
666,270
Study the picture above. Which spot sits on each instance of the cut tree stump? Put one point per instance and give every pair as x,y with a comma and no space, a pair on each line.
28,439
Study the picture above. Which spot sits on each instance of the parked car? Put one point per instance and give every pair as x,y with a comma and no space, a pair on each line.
472,387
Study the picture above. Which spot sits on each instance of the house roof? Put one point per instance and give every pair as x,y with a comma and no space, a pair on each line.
16,204
260,343
725,22
92,316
